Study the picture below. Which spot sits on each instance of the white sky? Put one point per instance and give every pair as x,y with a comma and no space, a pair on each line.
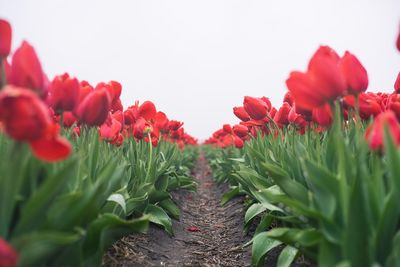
197,59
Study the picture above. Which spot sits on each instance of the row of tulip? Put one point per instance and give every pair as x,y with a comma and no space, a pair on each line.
77,170
322,171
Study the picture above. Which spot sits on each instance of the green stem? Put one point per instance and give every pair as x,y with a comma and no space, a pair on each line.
3,77
150,156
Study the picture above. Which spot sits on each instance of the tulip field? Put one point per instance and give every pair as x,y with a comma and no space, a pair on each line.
85,181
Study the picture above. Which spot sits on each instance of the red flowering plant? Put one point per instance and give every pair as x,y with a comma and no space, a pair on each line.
330,187
112,185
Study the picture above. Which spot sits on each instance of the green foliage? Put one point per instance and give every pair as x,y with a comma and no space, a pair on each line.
69,213
330,197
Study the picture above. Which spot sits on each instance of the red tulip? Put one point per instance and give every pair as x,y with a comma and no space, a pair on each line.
354,73
322,83
147,110
302,89
327,76
162,122
398,41
267,101
114,89
24,115
117,105
26,118
8,256
69,119
323,115
26,70
296,119
111,128
51,149
281,117
174,125
238,142
139,127
288,98
240,130
5,38
64,93
227,128
241,113
94,108
375,132
85,90
397,84
255,107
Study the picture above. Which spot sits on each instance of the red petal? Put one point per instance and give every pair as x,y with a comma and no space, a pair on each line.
54,149
193,229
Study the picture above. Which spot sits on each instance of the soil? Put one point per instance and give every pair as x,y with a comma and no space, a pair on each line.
207,234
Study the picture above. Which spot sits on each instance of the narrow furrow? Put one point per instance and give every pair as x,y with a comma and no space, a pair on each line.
207,233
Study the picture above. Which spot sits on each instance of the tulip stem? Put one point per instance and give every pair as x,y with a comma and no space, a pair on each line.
358,118
150,156
3,78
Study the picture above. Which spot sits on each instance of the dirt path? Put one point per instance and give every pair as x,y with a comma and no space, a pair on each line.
217,243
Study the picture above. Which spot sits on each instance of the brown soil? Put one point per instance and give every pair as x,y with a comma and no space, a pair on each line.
217,243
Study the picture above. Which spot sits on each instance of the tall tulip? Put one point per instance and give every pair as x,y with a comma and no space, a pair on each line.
94,108
255,107
397,84
26,70
8,256
5,38
354,73
64,93
375,132
241,113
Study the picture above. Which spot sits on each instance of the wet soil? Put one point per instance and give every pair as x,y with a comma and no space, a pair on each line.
207,234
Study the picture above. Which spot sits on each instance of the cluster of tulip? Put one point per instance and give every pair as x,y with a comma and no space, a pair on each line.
309,102
36,110
32,107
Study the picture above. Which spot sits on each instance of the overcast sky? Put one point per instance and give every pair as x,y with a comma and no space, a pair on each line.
197,59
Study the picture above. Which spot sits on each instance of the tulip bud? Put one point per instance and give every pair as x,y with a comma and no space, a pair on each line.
323,115
26,70
5,38
227,128
375,132
238,142
24,115
147,110
241,113
64,93
240,130
94,108
397,84
355,74
8,256
398,42
255,107
174,125
281,116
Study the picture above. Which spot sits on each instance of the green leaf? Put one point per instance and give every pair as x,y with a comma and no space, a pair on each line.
36,248
104,231
262,244
158,216
119,199
307,237
290,187
252,212
230,195
171,208
287,256
33,214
